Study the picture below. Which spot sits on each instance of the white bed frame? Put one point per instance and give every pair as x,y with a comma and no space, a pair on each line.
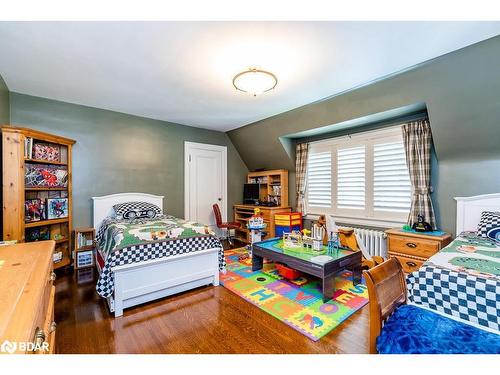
469,210
142,282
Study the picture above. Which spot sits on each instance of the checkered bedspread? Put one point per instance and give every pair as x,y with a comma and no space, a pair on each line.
461,280
475,300
153,250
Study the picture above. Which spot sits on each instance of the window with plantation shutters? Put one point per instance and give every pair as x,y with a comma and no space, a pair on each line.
363,176
391,182
319,179
351,178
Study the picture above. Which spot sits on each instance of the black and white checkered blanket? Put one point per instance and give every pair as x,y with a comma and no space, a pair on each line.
153,250
470,298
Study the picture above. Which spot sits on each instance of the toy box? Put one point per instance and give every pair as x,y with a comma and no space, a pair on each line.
287,222
287,272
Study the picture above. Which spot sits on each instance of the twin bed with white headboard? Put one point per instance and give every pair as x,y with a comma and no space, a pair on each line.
163,272
462,281
469,210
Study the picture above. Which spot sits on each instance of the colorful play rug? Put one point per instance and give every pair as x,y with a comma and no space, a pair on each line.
297,303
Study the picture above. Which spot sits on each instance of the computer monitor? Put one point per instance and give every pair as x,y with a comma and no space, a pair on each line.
251,193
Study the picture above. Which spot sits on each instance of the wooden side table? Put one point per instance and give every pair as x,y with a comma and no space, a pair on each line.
83,250
413,249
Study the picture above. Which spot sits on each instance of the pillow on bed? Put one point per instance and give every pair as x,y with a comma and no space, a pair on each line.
136,210
489,225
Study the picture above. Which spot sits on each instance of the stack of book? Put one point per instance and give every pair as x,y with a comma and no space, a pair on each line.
82,241
28,148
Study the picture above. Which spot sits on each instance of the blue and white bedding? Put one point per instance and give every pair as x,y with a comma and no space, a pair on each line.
462,281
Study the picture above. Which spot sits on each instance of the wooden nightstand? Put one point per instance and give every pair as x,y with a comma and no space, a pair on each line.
413,249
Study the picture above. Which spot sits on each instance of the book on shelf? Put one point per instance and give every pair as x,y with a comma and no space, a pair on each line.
83,241
41,151
28,148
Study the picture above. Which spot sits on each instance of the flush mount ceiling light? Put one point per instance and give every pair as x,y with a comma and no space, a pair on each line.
255,81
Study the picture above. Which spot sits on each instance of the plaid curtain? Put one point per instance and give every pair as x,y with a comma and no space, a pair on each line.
417,138
301,153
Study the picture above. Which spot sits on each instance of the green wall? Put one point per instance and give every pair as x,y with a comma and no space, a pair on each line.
116,152
461,91
4,102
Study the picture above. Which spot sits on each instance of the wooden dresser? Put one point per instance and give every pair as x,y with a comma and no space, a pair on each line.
413,249
27,298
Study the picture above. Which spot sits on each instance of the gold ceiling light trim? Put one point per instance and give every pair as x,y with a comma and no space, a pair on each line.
273,81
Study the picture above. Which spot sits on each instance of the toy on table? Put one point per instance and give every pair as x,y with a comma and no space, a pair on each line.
333,244
307,240
421,225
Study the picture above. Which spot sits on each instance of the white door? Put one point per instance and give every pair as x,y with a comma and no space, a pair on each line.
205,171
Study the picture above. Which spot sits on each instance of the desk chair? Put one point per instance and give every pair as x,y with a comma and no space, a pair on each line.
227,226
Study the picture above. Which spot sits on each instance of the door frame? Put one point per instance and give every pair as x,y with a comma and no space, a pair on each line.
187,178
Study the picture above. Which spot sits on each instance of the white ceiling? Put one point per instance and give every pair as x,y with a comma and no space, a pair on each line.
182,71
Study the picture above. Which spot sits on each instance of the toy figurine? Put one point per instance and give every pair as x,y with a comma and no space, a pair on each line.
333,244
421,225
317,237
256,226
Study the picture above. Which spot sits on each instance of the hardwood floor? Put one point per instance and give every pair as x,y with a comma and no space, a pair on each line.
204,320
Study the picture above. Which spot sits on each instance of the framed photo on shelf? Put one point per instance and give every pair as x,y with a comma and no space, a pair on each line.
85,259
57,256
34,210
57,208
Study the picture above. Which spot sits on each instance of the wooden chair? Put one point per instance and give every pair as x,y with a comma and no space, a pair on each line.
387,291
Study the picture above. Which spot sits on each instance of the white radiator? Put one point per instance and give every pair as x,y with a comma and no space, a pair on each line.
373,241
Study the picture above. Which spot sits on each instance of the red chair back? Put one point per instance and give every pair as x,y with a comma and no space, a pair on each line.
218,216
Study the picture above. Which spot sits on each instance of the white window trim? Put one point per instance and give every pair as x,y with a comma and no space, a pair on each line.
350,216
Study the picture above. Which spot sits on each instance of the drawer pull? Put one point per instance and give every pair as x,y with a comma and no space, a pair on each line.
52,276
53,327
411,244
39,338
411,264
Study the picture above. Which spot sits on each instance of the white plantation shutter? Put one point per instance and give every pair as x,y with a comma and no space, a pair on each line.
351,178
362,176
319,179
391,182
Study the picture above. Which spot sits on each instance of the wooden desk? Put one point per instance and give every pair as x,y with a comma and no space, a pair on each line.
27,295
243,211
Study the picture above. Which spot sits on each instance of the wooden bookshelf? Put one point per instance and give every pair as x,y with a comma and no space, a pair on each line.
42,223
18,157
273,185
273,188
28,160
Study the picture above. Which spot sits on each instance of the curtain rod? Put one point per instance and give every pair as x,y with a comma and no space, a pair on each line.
372,127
